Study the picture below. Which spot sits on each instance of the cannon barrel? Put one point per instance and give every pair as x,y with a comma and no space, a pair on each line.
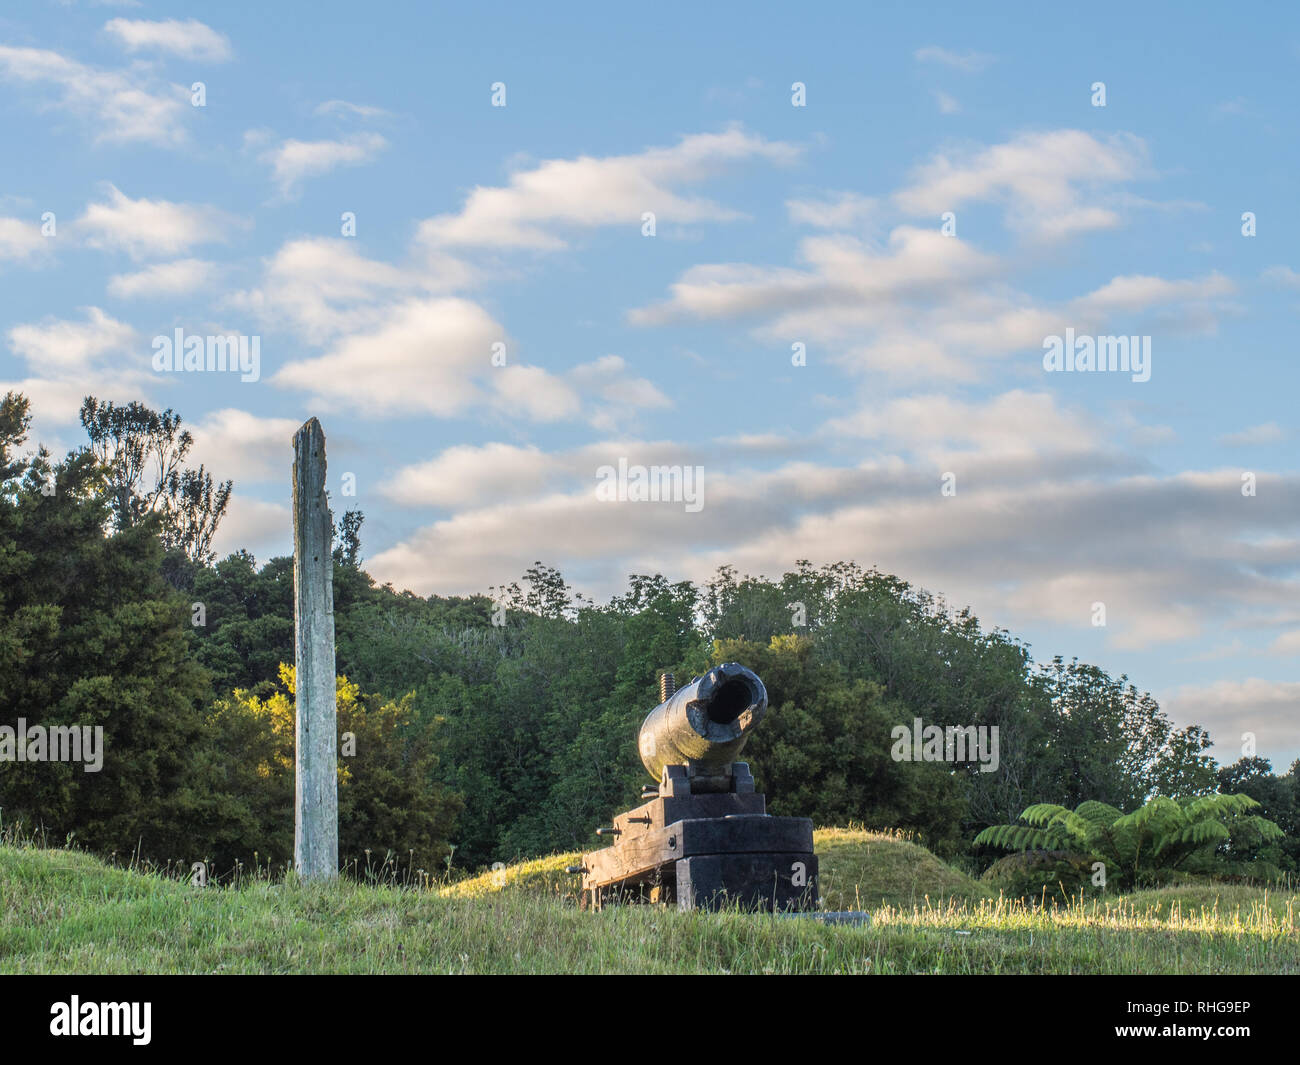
704,724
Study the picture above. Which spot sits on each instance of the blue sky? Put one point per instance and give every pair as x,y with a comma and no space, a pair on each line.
774,225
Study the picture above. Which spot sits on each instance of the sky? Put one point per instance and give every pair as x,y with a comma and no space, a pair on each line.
817,256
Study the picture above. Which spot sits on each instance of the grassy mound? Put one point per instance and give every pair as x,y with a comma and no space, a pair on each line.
861,870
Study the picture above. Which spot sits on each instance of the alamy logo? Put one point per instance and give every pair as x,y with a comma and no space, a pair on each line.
934,743
102,1018
651,484
1088,354
197,354
57,743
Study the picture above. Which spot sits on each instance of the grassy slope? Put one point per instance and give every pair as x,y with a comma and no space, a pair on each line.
67,912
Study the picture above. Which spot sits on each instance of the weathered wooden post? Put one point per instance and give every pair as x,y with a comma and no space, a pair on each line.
316,800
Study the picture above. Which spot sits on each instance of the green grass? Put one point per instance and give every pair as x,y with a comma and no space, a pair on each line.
63,911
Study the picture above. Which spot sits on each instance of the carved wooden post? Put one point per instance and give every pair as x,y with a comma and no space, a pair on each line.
316,800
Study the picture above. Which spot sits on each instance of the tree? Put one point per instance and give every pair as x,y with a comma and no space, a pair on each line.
1279,799
15,421
389,797
347,533
1109,742
91,636
1181,766
823,750
545,592
142,453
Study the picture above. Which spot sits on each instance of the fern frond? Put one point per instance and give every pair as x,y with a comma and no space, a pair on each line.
1195,835
1268,831
1160,810
1020,838
1101,814
1219,806
1044,813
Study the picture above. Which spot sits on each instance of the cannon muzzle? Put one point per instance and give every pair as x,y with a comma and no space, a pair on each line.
704,724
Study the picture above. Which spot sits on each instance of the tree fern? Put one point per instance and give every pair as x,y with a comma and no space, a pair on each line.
1164,834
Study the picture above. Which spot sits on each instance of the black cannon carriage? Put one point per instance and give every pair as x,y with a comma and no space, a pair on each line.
704,839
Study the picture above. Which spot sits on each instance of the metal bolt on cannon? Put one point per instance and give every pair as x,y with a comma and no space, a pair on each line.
704,839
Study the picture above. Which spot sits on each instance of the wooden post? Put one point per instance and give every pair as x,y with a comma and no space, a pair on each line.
316,800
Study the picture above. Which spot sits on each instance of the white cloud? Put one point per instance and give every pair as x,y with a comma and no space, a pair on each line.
504,473
294,161
844,210
21,240
62,345
1287,644
587,192
1267,433
265,529
466,475
190,39
344,107
1016,423
120,106
968,62
323,287
847,278
948,105
429,356
845,272
1135,292
1282,275
921,305
163,279
398,342
535,393
239,445
614,394
434,355
68,360
1040,178
144,228
1231,708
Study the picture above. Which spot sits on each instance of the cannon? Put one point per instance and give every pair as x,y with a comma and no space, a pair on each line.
704,839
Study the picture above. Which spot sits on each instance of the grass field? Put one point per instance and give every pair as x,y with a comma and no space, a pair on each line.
65,911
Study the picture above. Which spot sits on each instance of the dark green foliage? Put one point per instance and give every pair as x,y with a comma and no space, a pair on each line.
91,636
248,628
1279,799
824,751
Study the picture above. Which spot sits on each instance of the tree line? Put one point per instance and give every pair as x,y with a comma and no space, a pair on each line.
498,726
